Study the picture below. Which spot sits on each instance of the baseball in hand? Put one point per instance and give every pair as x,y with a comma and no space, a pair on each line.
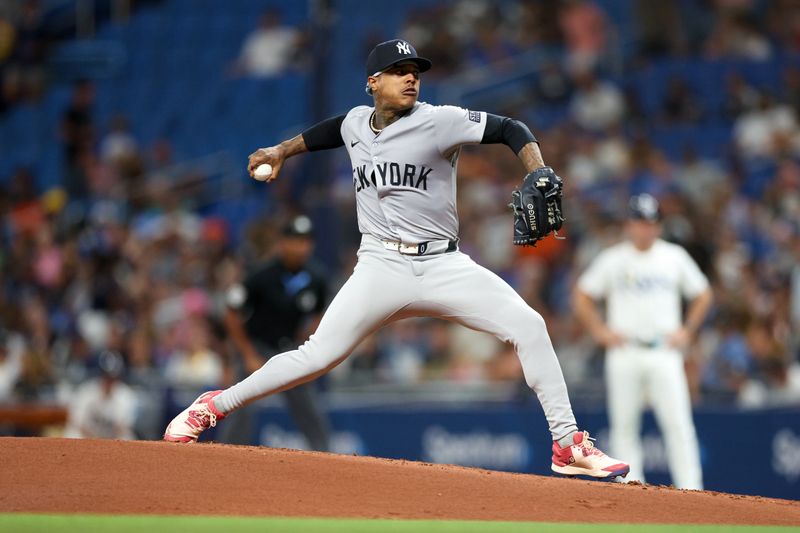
263,172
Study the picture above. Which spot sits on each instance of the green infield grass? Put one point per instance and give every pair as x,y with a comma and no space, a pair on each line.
13,522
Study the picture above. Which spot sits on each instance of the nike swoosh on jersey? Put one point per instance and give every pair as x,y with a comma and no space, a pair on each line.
353,143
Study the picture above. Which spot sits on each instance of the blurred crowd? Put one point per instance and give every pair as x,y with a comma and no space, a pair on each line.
114,280
25,41
473,33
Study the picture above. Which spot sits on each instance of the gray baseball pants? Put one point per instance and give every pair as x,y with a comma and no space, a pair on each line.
386,286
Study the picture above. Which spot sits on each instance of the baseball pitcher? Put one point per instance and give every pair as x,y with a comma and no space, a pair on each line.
404,156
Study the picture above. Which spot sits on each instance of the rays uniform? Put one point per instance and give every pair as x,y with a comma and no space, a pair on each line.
643,291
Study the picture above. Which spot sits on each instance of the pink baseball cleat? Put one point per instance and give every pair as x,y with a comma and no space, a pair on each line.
583,459
195,419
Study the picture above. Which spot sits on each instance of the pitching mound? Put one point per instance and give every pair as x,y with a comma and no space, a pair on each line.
90,476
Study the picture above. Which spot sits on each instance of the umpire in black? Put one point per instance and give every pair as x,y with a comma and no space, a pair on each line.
277,304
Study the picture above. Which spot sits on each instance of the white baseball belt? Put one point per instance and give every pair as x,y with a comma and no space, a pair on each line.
422,248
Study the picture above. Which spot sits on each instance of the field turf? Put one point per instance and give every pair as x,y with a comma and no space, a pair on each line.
12,522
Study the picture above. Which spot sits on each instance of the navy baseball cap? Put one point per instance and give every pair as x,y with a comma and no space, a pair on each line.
299,226
644,207
391,52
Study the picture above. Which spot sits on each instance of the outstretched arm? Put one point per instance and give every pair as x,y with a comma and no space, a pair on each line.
516,136
322,136
276,155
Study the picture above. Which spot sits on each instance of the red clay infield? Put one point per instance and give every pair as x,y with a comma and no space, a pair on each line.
91,476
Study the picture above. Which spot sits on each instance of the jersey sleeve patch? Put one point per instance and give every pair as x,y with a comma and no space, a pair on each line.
475,116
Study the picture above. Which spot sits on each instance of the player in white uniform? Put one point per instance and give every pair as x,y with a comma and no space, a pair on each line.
404,157
643,280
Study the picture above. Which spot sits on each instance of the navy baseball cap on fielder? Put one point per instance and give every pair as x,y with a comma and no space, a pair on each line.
389,53
644,207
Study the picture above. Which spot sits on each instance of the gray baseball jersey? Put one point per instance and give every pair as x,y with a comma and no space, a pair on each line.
405,186
405,176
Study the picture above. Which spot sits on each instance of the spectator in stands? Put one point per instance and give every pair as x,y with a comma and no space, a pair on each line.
119,144
439,350
766,131
783,198
781,20
9,78
740,97
8,36
583,168
139,351
652,173
551,86
490,45
404,354
778,386
9,90
791,88
24,209
731,258
537,24
596,105
77,135
37,370
361,368
32,39
794,287
777,379
12,352
472,354
194,363
120,161
269,49
48,261
660,30
161,154
737,35
103,407
699,178
680,104
30,45
586,33
731,362
443,50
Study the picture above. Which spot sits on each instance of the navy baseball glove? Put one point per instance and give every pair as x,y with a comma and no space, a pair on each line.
537,207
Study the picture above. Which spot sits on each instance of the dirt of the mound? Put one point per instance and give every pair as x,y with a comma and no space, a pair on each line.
92,476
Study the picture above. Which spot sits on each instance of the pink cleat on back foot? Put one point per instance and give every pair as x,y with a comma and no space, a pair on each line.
583,459
198,417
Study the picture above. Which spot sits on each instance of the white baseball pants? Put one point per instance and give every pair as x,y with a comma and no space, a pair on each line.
635,378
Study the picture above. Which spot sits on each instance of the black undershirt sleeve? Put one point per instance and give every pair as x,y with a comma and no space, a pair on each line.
324,135
508,131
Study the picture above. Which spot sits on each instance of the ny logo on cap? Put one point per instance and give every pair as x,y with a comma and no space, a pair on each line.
403,48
